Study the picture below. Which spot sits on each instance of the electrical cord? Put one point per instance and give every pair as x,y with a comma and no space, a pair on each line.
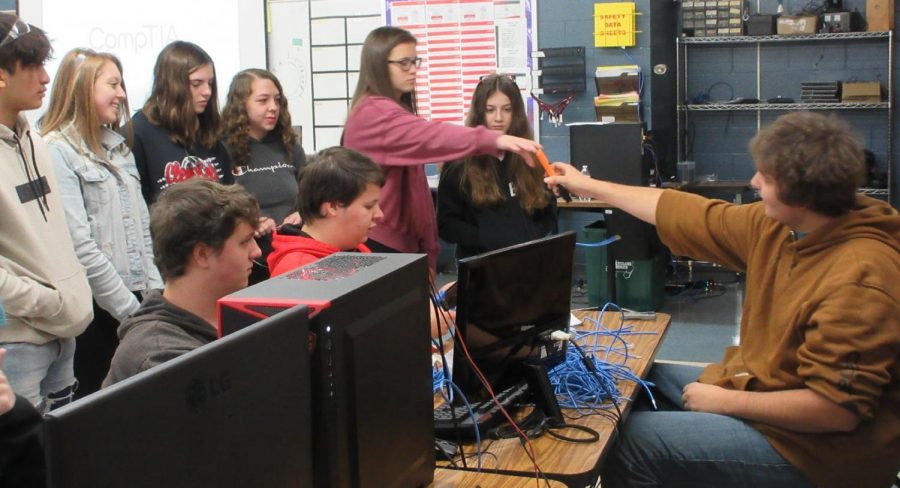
588,385
527,445
649,147
474,423
593,435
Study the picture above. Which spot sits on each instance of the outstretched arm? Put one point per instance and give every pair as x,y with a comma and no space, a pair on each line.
635,200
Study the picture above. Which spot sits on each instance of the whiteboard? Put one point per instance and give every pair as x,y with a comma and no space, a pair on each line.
314,48
231,31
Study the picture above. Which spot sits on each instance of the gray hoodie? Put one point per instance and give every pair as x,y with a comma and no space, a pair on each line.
155,333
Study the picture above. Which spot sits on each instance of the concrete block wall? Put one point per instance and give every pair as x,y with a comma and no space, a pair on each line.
569,23
720,138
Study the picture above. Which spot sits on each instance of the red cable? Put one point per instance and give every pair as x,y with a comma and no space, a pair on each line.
528,447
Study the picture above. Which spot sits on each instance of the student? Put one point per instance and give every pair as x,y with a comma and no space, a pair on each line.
811,395
383,125
338,205
204,247
42,285
487,203
264,151
21,453
101,192
176,133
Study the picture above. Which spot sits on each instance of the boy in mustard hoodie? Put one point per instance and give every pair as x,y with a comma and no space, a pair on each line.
811,396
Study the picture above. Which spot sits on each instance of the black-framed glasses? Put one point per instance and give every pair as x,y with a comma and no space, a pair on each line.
406,63
18,29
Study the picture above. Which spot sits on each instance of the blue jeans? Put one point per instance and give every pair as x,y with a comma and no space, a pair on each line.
41,373
674,447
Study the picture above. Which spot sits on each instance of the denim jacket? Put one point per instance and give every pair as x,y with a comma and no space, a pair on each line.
107,218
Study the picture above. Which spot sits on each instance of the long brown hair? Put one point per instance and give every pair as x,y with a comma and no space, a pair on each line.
72,98
237,125
171,106
374,75
479,172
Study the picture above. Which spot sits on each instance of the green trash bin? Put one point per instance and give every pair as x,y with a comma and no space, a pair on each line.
640,284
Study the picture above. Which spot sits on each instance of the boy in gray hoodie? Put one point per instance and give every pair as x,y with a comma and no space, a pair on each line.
204,248
43,287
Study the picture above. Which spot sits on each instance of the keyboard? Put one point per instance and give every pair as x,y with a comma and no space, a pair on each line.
487,414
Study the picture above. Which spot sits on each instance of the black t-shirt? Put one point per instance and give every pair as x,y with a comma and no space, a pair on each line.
162,162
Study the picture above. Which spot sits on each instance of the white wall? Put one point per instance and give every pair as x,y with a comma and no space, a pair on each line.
231,31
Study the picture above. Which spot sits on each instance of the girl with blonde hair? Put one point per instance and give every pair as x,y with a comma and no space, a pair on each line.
100,189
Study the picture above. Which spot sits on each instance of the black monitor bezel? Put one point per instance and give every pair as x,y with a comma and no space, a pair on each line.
294,319
463,375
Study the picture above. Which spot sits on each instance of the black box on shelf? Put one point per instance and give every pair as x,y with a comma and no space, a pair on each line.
761,25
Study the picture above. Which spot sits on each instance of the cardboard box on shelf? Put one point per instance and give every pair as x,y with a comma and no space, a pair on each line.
797,24
861,92
615,114
879,15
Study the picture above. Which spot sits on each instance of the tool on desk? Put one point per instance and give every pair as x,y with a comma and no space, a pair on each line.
545,163
635,315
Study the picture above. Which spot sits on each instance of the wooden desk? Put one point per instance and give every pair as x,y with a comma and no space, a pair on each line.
455,478
595,205
701,186
578,464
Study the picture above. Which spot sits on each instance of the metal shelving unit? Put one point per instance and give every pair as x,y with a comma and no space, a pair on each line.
684,109
712,107
842,36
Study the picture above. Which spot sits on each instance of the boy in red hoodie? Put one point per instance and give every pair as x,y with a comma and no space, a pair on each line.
338,202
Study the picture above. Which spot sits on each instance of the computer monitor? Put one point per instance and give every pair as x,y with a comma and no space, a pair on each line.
372,396
235,412
507,299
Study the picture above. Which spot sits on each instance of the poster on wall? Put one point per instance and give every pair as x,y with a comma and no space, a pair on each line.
461,41
314,48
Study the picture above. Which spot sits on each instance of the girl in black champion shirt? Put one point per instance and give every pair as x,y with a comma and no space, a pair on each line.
265,152
176,132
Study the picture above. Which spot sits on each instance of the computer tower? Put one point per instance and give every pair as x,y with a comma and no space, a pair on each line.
372,397
612,152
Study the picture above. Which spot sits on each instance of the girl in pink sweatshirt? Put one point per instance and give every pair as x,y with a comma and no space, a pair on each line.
383,125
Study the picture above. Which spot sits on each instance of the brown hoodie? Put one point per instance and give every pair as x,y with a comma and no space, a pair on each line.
820,312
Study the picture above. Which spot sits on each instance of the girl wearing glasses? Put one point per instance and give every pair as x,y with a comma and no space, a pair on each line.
486,202
264,150
176,132
101,193
383,125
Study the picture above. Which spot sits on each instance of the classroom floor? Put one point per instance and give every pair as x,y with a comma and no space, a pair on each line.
704,321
